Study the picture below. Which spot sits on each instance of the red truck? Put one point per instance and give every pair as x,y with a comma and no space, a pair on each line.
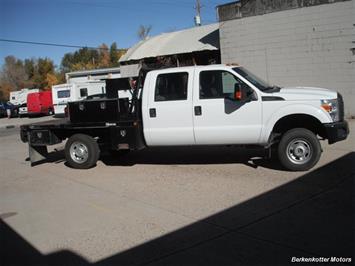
40,103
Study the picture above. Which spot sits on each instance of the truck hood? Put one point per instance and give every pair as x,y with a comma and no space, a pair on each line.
305,93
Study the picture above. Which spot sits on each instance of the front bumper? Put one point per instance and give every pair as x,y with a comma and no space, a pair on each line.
336,131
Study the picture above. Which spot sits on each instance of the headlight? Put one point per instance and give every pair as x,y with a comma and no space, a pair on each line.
332,108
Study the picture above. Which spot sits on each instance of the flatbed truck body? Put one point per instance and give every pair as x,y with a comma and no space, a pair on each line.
198,105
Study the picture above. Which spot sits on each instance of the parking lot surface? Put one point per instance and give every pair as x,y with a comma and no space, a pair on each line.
6,123
174,206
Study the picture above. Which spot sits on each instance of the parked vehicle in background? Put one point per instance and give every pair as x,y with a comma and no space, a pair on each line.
3,109
22,110
64,93
40,103
20,97
4,106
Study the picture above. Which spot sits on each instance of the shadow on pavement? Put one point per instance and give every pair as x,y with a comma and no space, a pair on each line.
311,216
252,157
52,157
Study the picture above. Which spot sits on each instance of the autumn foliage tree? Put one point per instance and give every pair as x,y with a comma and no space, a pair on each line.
85,58
41,73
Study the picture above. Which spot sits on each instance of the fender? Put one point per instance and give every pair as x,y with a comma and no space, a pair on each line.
305,109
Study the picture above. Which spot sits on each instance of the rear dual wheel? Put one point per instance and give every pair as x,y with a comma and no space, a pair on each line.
82,151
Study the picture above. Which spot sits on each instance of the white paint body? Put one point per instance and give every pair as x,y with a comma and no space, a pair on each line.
64,93
176,123
20,97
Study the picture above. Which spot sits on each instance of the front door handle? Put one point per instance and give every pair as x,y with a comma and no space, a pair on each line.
198,110
152,112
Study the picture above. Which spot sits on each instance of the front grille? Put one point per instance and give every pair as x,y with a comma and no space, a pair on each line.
341,107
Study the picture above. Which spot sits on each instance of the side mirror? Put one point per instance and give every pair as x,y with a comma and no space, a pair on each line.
237,92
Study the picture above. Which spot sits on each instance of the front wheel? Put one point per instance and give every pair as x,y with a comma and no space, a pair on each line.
299,149
81,151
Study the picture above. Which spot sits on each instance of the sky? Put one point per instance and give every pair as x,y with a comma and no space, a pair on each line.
90,23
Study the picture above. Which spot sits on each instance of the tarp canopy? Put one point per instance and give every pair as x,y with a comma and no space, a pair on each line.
179,42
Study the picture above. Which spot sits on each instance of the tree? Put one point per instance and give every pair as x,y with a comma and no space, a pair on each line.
13,73
143,31
30,67
5,90
67,61
114,54
82,59
51,79
104,56
43,67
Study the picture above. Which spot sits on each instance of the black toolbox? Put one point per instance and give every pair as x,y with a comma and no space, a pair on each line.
98,110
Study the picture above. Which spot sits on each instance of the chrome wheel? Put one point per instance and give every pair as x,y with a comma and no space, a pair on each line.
79,152
299,151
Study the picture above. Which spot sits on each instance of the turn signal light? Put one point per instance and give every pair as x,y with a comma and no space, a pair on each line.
327,107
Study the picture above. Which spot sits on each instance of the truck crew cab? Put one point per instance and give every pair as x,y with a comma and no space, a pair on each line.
197,105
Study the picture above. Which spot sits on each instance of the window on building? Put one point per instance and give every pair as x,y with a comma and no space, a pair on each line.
171,87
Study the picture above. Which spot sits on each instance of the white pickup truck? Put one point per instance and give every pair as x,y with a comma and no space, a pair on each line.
197,105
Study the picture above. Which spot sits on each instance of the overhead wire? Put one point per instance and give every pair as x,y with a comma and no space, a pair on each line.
52,44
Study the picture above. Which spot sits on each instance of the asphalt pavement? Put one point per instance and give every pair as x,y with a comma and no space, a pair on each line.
175,206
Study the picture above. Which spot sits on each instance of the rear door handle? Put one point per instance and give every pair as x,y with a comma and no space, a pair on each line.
198,110
152,112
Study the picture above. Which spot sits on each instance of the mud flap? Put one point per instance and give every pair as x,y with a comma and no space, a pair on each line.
37,154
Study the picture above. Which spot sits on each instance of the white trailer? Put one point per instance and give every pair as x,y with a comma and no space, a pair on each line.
64,93
20,97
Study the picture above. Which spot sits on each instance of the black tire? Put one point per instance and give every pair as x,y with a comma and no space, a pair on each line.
299,149
81,151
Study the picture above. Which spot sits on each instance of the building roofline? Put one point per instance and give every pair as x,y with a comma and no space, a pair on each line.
229,3
94,71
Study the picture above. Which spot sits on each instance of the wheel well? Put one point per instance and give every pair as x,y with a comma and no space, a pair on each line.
299,121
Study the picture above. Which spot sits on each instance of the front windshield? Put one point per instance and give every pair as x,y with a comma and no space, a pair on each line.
258,82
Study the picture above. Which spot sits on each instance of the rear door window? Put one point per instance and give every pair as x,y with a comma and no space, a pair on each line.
171,87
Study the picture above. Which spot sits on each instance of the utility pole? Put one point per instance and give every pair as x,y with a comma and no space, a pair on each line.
198,13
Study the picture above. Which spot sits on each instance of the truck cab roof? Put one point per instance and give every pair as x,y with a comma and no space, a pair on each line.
207,67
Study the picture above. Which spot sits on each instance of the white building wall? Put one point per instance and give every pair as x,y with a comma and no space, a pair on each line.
308,46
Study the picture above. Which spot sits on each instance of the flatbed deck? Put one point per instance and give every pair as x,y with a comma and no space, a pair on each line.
65,123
